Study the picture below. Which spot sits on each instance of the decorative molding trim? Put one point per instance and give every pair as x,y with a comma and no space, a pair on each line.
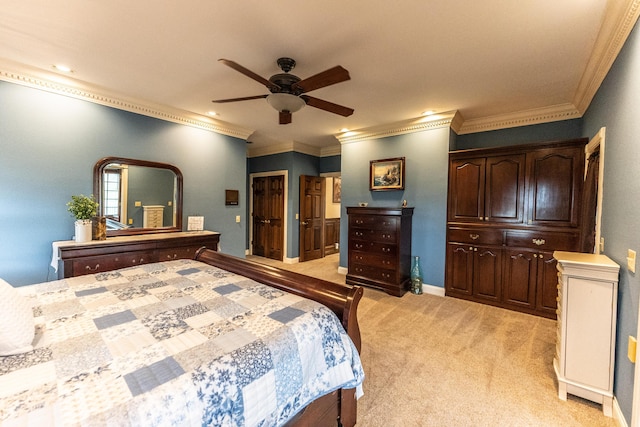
553,113
620,18
284,147
94,95
334,150
418,124
343,270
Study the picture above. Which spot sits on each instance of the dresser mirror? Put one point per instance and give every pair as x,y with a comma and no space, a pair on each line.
138,196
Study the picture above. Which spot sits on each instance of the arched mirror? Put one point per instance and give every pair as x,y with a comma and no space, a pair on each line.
138,196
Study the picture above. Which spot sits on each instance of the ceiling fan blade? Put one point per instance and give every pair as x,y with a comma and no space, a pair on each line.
246,98
249,73
285,117
327,106
328,77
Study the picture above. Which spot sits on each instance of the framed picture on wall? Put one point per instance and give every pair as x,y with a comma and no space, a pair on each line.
337,188
386,174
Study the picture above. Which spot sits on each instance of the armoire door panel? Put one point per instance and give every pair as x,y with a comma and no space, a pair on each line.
467,180
504,196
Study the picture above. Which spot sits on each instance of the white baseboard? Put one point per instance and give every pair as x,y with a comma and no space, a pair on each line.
343,270
432,290
291,260
618,416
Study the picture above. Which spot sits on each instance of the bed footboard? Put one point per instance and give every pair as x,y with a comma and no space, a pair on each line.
341,299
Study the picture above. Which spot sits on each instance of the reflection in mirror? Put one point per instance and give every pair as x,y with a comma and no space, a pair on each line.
138,196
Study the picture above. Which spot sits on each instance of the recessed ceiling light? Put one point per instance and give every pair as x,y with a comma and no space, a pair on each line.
344,130
63,68
212,113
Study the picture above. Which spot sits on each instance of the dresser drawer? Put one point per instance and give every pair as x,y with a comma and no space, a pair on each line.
546,241
185,252
475,236
375,222
383,236
98,264
367,258
374,248
373,273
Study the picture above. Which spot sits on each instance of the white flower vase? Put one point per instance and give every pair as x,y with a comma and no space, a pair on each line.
83,230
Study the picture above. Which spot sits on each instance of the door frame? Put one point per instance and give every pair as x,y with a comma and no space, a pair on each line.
285,226
594,143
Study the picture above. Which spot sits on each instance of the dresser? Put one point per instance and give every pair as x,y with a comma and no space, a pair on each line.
379,248
77,259
587,306
153,216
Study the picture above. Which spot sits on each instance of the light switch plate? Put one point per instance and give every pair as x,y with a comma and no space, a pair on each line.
631,349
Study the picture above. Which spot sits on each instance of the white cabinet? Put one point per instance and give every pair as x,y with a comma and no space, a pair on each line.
587,305
153,216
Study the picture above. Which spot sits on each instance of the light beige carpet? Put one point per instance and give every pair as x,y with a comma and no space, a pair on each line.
434,361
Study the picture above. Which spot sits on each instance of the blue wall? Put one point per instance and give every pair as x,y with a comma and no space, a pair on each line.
426,165
567,129
616,107
48,146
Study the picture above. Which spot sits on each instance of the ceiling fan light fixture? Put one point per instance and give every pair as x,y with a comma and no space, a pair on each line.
285,102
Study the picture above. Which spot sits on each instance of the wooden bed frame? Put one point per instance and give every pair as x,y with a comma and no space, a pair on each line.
338,408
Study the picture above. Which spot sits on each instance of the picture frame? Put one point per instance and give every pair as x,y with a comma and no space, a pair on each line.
337,189
386,174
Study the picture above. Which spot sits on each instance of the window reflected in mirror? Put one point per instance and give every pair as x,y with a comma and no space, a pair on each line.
138,196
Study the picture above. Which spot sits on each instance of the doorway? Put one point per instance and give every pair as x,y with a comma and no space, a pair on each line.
268,219
320,204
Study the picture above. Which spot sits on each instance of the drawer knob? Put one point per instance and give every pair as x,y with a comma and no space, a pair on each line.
474,236
539,242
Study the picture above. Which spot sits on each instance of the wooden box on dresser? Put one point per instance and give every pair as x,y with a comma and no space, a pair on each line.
587,311
77,259
380,248
509,209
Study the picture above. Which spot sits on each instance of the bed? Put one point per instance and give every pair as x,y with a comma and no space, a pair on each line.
216,340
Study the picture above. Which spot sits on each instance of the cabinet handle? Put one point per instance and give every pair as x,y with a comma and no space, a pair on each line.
539,242
535,255
92,269
470,248
474,236
486,218
174,256
386,250
359,246
480,218
475,249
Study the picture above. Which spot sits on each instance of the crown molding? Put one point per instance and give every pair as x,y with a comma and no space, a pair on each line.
620,18
334,150
285,147
418,124
520,118
19,74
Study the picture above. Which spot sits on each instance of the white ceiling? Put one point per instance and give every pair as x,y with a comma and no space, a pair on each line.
490,60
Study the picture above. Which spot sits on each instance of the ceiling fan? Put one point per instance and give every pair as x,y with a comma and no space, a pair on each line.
288,91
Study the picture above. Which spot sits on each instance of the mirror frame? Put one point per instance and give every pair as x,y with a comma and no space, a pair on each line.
98,170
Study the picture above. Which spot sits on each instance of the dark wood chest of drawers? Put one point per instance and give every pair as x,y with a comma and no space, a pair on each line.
380,248
127,251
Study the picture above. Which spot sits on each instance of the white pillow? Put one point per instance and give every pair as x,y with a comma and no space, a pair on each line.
17,327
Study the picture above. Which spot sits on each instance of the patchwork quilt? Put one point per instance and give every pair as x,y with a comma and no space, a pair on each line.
173,343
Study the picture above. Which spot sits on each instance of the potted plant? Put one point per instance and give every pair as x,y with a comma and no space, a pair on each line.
83,208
